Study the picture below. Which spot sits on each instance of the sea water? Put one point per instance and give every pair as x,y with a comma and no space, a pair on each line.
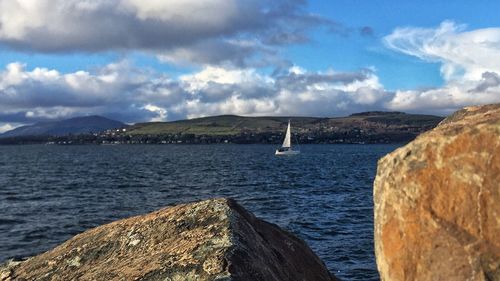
49,193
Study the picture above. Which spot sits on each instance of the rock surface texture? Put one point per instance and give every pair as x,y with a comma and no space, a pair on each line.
209,240
437,202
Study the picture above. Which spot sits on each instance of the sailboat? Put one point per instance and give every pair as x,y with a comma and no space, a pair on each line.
286,147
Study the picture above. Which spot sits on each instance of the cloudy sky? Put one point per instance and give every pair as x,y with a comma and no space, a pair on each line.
161,60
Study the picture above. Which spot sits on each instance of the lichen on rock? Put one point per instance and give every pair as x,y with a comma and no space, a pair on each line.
209,240
437,202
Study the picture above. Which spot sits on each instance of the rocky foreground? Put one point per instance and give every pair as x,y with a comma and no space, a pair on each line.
437,202
209,240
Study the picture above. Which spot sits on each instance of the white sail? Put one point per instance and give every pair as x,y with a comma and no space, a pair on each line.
286,148
287,142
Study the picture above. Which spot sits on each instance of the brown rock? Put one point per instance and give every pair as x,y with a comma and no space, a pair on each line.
209,240
437,202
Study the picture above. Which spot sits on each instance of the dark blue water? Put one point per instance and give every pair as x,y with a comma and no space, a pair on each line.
50,193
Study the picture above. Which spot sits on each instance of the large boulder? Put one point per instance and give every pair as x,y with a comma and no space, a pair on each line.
437,202
209,240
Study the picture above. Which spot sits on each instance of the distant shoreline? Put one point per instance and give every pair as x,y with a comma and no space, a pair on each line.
360,128
203,140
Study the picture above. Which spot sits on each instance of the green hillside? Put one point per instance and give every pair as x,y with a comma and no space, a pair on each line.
236,125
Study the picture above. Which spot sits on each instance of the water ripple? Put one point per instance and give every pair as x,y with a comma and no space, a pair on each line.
50,193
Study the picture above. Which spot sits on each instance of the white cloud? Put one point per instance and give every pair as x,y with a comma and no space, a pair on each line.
463,54
297,92
4,127
178,31
161,113
221,75
207,12
132,95
470,64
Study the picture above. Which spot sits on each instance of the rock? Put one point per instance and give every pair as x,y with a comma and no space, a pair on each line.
6,269
437,202
209,240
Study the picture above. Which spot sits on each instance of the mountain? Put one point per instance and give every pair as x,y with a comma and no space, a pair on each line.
77,125
375,122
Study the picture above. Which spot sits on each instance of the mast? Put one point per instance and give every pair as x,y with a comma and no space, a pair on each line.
287,142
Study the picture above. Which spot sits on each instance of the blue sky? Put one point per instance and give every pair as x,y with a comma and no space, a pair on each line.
166,60
395,70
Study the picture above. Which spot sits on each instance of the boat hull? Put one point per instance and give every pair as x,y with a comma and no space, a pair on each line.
286,152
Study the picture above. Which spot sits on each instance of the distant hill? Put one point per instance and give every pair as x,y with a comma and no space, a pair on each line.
365,127
77,125
375,122
218,125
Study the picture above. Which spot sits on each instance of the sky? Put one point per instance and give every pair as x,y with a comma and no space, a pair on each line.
164,60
